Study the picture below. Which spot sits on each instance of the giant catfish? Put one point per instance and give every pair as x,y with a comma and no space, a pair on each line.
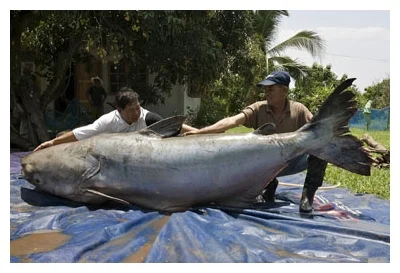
152,170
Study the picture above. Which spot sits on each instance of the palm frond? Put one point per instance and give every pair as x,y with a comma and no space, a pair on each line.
303,40
266,23
296,69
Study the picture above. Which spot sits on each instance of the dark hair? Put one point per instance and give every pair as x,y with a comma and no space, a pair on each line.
126,96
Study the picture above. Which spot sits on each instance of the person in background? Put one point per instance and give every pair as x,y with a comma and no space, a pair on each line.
288,116
96,94
128,117
367,113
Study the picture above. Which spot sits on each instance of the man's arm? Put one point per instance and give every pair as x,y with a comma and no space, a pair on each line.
220,126
186,128
64,138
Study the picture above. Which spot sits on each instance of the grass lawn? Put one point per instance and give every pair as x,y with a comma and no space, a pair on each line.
379,181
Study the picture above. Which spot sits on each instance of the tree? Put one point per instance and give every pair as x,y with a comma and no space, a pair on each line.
23,92
267,23
177,45
236,86
379,93
317,85
271,56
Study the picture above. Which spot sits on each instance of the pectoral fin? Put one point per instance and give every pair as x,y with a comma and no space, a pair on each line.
93,166
107,196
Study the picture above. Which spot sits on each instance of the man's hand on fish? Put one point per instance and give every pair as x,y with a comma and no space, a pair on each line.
44,145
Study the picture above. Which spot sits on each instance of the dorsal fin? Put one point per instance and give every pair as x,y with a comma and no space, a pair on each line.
266,129
166,127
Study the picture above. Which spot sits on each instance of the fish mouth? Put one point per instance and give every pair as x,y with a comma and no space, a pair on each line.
23,175
28,176
27,171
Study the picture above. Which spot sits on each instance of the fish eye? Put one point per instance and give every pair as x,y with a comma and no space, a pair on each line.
37,181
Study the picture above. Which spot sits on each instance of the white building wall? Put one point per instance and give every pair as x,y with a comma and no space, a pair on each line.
178,103
175,104
191,103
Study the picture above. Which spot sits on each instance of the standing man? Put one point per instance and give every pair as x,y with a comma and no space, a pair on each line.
96,94
288,116
367,113
128,117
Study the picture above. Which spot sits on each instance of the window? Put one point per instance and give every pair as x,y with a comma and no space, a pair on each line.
139,78
118,77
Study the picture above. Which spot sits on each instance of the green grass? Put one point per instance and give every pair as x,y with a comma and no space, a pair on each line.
239,130
379,181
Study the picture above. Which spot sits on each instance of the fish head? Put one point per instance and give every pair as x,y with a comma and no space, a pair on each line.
52,171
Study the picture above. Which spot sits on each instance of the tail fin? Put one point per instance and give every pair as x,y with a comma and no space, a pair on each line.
336,111
346,152
331,121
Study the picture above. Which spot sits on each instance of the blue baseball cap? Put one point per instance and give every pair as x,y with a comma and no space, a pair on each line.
276,77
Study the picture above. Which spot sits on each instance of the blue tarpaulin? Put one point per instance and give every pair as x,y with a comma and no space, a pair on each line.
344,227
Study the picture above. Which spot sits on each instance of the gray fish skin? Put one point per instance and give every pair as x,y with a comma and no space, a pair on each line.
176,173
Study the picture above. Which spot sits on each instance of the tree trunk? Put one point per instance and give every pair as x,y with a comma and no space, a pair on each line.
27,96
20,142
23,87
64,60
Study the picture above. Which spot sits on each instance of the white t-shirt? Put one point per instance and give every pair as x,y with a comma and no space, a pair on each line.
111,123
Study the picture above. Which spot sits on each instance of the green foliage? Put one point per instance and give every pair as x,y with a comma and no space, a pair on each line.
236,86
379,94
211,110
316,86
175,44
199,45
178,46
227,97
308,41
266,22
321,81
